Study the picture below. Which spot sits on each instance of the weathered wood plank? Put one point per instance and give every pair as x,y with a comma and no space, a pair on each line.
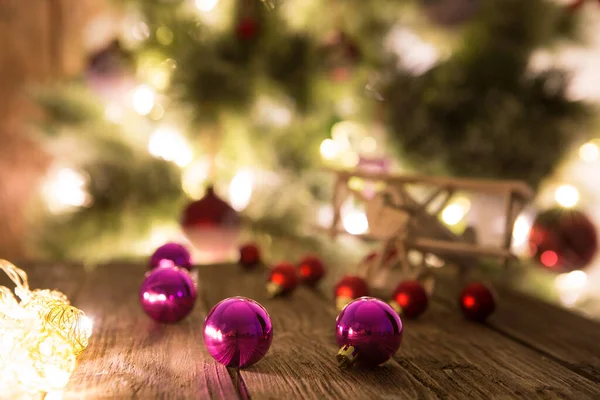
301,362
558,333
567,338
130,356
460,359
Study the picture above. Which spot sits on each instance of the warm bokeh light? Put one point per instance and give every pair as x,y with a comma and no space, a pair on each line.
206,5
570,286
168,144
65,189
567,196
329,149
194,179
455,212
143,99
240,190
521,230
549,258
355,222
589,152
414,54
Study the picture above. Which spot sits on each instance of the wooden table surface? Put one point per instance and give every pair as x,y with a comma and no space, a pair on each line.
528,349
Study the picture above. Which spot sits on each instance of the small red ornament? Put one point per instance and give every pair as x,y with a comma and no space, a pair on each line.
410,299
348,288
283,279
213,227
563,240
249,255
247,28
341,55
311,270
477,302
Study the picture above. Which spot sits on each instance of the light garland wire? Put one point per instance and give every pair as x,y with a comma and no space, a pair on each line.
41,335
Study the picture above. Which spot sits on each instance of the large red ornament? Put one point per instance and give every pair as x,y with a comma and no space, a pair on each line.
311,270
563,240
410,299
249,255
213,228
283,279
348,288
477,302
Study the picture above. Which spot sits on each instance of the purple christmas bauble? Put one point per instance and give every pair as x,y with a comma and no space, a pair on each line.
178,254
238,332
369,332
168,294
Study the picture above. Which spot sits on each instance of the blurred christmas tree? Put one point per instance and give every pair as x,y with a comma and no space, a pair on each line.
254,99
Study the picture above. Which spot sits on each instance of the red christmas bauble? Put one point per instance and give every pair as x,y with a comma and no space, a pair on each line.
249,255
283,279
213,228
311,270
247,28
563,240
410,299
477,301
348,288
341,54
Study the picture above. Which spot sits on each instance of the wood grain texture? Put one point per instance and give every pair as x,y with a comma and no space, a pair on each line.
301,363
130,356
442,356
458,359
556,333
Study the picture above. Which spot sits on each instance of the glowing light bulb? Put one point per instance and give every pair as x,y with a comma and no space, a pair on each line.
567,196
329,149
206,5
168,144
589,152
355,222
65,189
240,190
143,99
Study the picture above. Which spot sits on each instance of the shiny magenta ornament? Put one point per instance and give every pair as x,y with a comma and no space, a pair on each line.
213,227
175,252
477,302
168,293
410,299
249,255
283,279
348,288
238,332
369,332
311,270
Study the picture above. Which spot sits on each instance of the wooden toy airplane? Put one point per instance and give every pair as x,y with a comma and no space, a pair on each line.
402,223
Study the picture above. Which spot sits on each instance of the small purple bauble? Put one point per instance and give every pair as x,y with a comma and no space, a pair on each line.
369,332
178,254
238,332
168,294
